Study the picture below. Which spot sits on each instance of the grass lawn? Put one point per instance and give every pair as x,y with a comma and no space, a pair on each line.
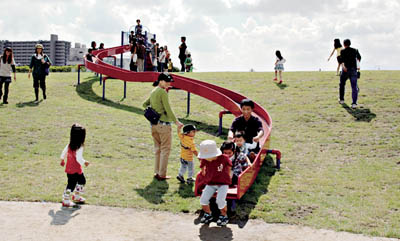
340,167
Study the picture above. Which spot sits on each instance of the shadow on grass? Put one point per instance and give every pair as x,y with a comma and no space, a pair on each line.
185,190
62,216
215,233
249,201
32,103
282,86
86,92
154,191
360,114
209,129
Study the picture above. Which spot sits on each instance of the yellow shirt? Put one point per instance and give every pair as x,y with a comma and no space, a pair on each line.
187,147
338,50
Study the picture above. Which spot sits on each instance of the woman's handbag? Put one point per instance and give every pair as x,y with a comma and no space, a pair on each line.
152,115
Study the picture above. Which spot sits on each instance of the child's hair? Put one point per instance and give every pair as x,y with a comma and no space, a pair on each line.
169,59
239,134
247,102
5,56
188,128
93,44
77,139
336,43
228,145
279,55
189,55
90,50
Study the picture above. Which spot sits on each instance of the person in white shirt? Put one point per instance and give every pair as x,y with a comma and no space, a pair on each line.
7,64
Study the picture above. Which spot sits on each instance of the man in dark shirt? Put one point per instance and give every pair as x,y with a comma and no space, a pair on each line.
348,60
182,53
247,123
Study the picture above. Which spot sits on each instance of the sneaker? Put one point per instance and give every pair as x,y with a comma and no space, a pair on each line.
275,79
222,220
78,199
68,204
190,180
207,218
341,102
280,82
180,178
5,102
353,106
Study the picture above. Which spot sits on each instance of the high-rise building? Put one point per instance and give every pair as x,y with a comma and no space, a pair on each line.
58,51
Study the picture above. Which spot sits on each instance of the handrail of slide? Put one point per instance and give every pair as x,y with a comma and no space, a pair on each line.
228,99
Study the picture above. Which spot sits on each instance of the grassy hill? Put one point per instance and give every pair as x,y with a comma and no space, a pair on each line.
340,166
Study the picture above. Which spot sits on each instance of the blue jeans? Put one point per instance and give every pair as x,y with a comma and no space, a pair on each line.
352,74
186,165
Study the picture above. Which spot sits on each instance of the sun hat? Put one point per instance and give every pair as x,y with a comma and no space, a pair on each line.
208,149
38,46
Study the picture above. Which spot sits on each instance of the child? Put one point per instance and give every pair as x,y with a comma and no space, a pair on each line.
337,46
188,148
279,66
217,171
73,151
170,65
188,63
248,149
239,161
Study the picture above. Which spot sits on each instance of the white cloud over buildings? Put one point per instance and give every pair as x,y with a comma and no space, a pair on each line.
223,35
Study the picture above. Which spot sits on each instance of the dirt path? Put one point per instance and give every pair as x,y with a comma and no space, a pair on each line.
48,221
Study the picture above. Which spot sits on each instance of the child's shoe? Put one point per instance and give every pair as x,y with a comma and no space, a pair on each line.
77,197
66,199
222,220
275,79
180,178
280,82
207,218
190,180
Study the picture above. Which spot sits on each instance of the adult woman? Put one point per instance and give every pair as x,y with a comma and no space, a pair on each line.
7,64
337,46
161,132
40,63
167,57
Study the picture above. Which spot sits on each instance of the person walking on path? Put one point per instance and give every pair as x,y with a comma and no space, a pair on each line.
348,60
337,46
182,53
7,64
162,132
39,67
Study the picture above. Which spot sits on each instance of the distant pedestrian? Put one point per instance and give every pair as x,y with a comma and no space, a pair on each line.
163,54
337,46
153,52
182,53
7,64
132,38
39,67
89,56
138,27
170,65
189,63
348,58
167,56
101,46
133,63
141,54
93,45
279,66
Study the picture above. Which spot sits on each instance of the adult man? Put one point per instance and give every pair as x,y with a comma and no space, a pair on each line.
182,53
154,53
140,51
348,60
247,123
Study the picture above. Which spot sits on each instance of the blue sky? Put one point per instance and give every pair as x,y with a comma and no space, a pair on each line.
223,35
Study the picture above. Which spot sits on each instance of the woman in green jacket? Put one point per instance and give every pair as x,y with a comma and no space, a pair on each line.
39,67
162,132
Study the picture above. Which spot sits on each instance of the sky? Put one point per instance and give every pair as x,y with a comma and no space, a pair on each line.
222,35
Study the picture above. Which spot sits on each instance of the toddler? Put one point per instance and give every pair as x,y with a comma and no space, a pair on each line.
76,180
188,148
217,171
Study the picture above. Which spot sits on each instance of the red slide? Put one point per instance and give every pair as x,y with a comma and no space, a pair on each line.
226,98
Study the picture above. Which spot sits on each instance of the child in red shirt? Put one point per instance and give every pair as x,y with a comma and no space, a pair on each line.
217,171
74,153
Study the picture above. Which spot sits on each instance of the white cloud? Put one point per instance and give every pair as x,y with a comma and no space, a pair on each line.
225,34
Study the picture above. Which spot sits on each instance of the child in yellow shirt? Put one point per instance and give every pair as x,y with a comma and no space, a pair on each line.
188,148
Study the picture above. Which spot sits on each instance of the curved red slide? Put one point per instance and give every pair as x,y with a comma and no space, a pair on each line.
226,98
